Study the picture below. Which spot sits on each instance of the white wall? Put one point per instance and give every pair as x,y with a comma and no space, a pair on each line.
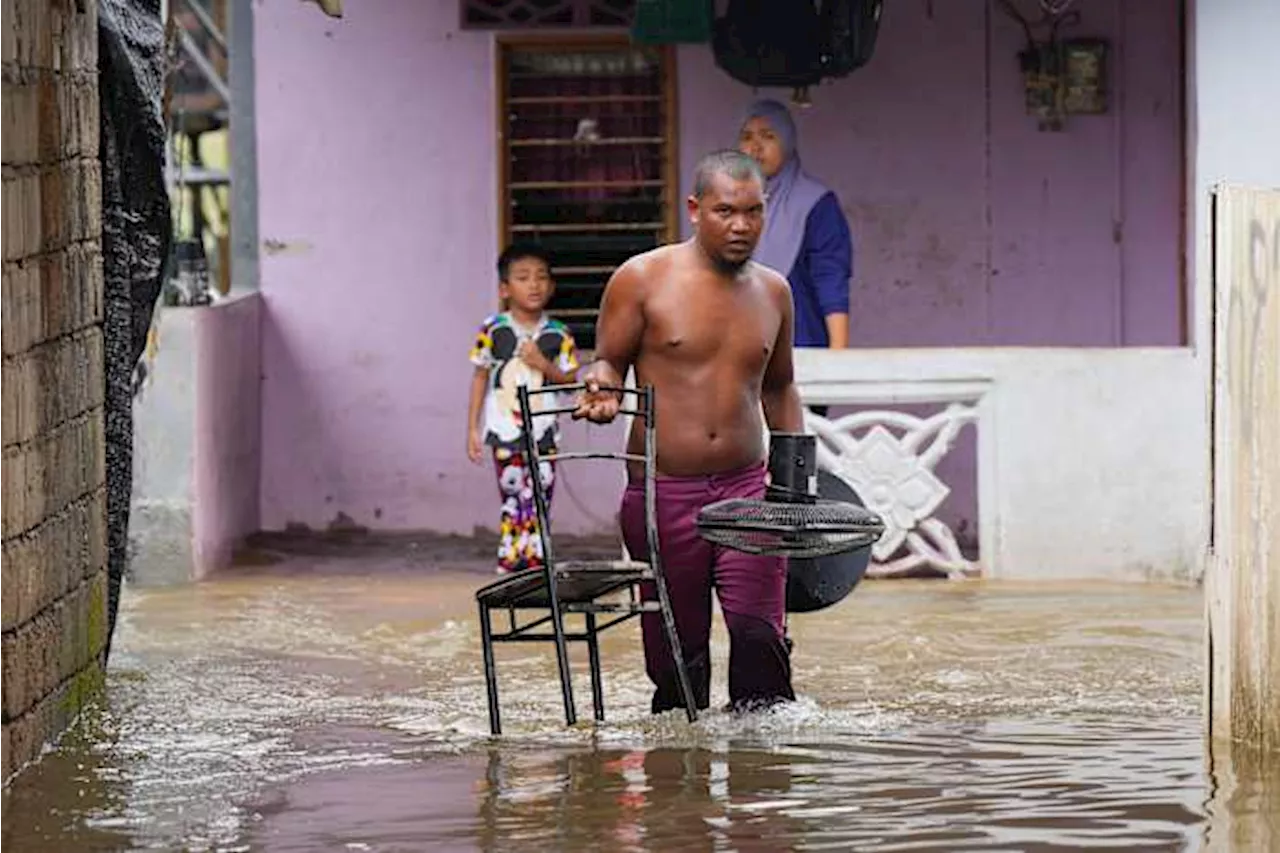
1233,89
1233,83
1236,89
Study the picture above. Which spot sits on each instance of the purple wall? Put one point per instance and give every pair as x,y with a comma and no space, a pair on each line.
971,227
378,193
228,415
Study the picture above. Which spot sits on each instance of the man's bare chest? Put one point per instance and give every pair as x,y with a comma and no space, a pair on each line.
697,328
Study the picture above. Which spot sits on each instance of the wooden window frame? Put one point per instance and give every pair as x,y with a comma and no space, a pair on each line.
552,42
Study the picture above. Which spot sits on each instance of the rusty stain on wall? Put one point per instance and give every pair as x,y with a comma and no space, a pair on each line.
275,247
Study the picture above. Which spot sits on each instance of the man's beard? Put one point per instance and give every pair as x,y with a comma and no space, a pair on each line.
727,266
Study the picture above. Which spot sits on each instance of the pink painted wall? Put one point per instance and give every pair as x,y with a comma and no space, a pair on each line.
378,215
227,467
971,227
377,203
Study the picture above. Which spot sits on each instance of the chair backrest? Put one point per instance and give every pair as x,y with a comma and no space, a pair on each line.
642,409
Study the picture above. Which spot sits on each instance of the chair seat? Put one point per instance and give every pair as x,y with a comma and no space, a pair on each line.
577,582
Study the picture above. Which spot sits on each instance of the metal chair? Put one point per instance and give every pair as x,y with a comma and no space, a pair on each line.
548,594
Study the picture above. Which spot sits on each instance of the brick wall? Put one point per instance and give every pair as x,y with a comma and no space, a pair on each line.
54,500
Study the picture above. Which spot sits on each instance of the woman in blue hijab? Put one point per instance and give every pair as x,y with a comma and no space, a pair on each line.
806,236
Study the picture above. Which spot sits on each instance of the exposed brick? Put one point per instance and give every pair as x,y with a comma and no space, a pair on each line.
44,475
71,365
32,583
81,126
33,32
13,502
8,33
72,635
21,211
94,284
82,633
18,109
96,531
42,565
7,766
7,651
25,737
13,236
29,24
29,653
51,296
50,117
21,307
48,208
88,200
8,589
88,108
54,499
56,188
80,41
8,95
94,616
13,665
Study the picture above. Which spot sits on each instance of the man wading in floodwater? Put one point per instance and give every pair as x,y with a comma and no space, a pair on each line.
711,331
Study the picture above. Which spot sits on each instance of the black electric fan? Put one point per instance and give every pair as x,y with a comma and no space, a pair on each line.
791,520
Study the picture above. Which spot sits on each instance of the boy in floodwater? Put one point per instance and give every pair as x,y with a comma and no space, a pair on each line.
520,345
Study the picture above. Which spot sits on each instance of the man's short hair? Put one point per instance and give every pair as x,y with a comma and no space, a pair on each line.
518,252
734,164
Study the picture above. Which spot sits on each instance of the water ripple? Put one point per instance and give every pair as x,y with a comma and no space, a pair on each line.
349,713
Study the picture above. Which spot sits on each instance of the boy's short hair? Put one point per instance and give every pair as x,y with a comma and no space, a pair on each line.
519,252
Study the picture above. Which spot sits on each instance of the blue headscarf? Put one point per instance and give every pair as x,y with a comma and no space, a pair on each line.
792,192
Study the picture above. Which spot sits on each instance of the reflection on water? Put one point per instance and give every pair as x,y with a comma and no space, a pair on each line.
283,712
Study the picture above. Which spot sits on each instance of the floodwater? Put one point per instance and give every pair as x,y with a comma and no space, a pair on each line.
344,710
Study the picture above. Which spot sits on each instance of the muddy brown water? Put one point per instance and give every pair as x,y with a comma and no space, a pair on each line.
334,705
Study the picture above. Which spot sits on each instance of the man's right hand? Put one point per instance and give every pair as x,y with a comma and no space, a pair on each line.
597,406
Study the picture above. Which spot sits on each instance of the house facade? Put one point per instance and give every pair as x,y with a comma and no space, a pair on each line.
1024,390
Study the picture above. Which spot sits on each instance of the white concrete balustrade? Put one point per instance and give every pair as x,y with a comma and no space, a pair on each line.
1090,462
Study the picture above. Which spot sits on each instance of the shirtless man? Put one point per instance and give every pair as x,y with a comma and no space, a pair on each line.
710,330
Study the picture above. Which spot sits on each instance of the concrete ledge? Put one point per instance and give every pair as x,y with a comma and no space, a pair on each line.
160,551
164,433
198,439
228,430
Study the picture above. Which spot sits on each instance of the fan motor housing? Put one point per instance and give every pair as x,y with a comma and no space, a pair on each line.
795,43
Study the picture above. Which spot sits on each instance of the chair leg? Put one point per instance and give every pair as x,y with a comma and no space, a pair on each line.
562,661
677,652
593,653
490,670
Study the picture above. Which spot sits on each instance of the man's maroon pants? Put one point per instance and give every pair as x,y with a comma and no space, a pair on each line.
751,589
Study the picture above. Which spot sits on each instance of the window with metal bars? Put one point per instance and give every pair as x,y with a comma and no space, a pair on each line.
535,14
587,161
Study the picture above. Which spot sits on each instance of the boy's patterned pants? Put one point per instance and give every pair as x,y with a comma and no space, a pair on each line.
519,539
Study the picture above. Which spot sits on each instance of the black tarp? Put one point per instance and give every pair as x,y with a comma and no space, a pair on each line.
136,232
